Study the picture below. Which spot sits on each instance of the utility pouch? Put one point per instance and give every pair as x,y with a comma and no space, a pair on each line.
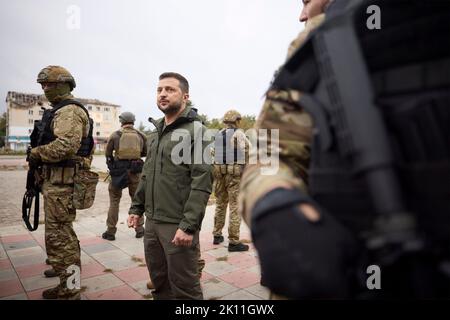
85,183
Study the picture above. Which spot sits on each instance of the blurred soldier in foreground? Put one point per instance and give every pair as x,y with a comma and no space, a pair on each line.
123,155
367,189
230,153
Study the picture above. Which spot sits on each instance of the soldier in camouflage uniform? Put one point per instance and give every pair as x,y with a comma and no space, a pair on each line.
230,153
70,124
125,147
277,207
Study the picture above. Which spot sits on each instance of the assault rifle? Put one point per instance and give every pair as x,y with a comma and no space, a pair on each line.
32,192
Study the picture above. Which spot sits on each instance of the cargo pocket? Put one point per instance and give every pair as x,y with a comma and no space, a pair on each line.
85,183
60,207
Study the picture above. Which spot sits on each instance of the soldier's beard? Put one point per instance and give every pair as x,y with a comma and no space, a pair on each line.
172,108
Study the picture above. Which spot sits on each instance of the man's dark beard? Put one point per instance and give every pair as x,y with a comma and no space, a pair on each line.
171,108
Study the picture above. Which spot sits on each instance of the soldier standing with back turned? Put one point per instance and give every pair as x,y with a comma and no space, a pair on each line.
123,155
230,154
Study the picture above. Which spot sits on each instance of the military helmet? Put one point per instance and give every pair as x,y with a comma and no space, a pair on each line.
231,116
127,117
56,74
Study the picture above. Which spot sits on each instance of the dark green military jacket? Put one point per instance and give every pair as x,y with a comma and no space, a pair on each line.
170,190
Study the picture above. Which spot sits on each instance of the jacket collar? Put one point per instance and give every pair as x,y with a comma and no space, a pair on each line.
189,114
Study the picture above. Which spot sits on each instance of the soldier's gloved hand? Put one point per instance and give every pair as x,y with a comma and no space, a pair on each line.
109,161
304,252
33,157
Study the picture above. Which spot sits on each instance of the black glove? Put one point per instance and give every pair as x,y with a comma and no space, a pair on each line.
32,158
299,258
109,162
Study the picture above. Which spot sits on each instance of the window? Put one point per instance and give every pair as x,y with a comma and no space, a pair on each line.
30,112
98,133
106,117
29,131
106,109
41,112
30,121
90,108
97,108
97,124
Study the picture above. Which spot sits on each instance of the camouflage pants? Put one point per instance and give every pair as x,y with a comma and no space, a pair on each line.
114,200
61,242
227,191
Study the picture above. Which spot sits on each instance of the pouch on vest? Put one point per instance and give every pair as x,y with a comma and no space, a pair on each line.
85,183
130,145
119,174
136,166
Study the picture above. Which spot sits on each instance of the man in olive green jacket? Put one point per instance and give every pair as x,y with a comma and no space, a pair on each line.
173,192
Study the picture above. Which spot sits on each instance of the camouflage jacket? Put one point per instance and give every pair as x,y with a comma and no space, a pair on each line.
281,111
69,126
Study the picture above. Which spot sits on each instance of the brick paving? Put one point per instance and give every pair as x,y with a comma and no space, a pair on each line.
111,270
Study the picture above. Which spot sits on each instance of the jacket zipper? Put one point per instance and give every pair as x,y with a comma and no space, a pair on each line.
154,174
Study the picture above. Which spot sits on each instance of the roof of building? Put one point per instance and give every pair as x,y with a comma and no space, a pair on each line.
27,100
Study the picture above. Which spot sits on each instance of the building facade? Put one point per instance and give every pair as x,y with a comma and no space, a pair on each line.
22,109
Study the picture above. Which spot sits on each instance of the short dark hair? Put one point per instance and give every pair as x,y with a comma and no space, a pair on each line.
184,84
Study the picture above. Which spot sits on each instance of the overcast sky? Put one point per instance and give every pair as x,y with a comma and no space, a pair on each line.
227,49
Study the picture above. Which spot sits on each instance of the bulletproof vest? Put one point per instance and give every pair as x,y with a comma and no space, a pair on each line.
130,144
226,150
43,133
382,114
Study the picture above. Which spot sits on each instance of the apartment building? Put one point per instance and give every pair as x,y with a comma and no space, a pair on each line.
22,109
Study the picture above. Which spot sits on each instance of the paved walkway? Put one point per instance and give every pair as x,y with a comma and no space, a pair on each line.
110,270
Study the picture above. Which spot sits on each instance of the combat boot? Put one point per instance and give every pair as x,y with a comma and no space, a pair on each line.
108,236
218,239
237,247
51,294
50,273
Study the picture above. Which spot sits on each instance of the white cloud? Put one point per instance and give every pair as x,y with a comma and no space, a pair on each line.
228,49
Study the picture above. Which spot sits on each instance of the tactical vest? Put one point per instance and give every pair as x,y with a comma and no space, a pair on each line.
226,150
130,144
43,133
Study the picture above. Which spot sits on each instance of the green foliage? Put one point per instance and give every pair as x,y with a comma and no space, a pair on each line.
143,129
2,129
246,123
3,125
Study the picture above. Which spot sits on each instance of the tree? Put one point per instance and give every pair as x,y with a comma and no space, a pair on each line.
247,122
2,129
205,120
142,129
216,124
